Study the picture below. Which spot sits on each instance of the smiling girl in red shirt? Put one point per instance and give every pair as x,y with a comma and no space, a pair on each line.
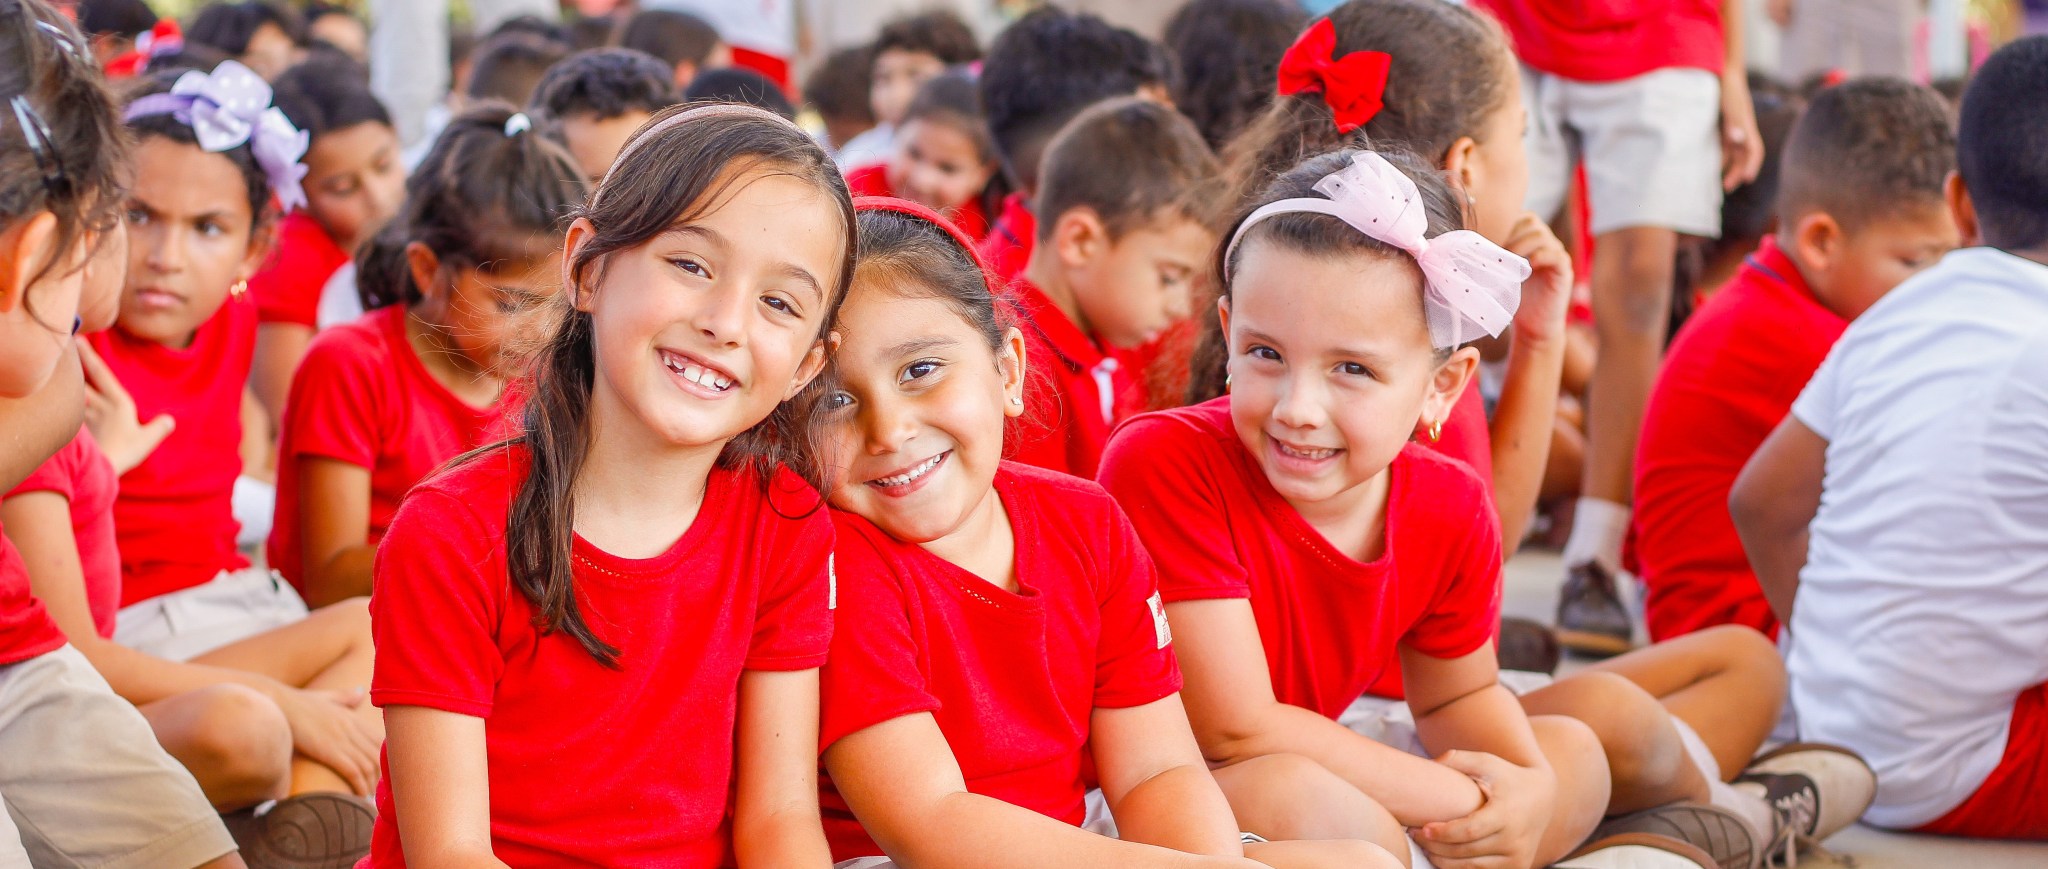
379,403
955,567
600,640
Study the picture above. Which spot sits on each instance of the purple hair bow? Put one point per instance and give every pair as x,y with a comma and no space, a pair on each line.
1473,285
228,108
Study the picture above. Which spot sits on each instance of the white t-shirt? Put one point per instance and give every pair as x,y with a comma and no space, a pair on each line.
1923,609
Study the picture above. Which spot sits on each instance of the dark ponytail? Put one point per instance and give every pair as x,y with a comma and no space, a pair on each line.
481,196
672,170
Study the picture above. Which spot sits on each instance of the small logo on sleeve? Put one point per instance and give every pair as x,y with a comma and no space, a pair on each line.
832,584
1160,629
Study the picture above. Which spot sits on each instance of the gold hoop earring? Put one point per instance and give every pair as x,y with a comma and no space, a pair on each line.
1436,430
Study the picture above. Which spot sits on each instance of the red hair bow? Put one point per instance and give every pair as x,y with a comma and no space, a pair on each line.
1351,85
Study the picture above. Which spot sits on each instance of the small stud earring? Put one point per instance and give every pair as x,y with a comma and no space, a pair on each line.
1436,430
238,289
1471,200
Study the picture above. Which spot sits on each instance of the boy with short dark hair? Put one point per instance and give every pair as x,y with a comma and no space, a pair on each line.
1859,209
1898,519
838,90
1041,72
908,52
687,44
1125,194
593,100
509,67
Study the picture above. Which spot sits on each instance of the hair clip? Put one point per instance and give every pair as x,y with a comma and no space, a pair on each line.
518,123
71,46
40,144
229,107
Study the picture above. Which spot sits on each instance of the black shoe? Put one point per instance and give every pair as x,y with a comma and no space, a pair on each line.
1722,834
308,831
1527,646
1590,617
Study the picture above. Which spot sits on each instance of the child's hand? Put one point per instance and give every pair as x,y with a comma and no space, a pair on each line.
326,728
1507,829
1742,144
1547,294
110,415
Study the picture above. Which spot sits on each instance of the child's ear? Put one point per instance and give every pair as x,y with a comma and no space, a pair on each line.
425,266
813,364
1448,385
24,249
1079,236
1014,365
1460,167
1816,239
1962,209
580,234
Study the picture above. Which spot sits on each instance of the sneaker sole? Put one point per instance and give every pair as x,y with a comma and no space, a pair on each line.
1589,643
1666,844
1724,836
314,831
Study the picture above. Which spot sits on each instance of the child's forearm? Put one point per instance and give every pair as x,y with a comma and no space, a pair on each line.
1179,808
791,837
1415,790
967,828
1522,423
1490,720
346,574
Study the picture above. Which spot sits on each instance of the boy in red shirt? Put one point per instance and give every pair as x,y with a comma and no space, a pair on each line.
1041,72
1124,192
593,100
1859,211
1650,96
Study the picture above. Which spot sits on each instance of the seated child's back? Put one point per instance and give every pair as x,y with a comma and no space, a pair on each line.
1860,210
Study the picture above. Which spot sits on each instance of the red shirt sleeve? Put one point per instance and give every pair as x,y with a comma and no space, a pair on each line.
874,674
1134,663
1158,470
440,594
59,474
793,623
334,406
1465,611
287,288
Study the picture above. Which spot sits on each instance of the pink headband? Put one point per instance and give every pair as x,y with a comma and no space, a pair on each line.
1472,285
705,111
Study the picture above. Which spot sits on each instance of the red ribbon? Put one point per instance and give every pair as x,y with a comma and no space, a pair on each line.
1352,85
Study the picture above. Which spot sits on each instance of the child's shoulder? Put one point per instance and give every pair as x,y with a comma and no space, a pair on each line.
480,486
1054,495
1442,480
369,342
1196,428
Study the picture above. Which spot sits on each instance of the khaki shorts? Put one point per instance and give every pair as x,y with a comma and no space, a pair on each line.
1651,146
84,780
234,606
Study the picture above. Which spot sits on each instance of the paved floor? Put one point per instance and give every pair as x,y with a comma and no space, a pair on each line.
1532,593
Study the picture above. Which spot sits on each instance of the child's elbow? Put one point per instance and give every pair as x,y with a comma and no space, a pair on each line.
1749,505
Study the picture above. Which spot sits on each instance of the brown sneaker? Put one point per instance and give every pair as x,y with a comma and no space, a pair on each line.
1527,646
1723,835
1590,617
308,831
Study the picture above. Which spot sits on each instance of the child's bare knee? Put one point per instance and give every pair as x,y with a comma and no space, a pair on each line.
241,740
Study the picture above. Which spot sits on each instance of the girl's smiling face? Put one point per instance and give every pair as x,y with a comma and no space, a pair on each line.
1330,368
191,239
937,165
914,435
702,330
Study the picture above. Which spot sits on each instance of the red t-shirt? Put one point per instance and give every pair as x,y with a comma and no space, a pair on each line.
591,766
1729,379
1610,40
26,629
1008,244
1466,435
175,517
1330,624
362,396
1011,677
287,289
82,475
1074,392
873,180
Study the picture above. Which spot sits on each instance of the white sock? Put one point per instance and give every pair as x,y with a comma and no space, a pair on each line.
1744,802
1598,527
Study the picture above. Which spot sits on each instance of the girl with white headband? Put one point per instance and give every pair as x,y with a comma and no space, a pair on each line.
598,643
1307,546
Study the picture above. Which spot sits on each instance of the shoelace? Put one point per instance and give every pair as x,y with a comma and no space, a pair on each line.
1797,813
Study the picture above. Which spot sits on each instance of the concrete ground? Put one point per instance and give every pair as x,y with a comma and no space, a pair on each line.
1531,592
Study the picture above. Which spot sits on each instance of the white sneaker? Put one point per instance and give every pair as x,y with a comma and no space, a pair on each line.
1637,851
1814,789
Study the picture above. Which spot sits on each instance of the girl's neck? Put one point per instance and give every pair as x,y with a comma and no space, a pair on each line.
477,385
1354,520
637,493
984,544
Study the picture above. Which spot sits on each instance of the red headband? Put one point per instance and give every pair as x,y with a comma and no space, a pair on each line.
907,207
1351,85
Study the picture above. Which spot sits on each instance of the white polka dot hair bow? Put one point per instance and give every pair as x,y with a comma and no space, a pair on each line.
1473,285
228,108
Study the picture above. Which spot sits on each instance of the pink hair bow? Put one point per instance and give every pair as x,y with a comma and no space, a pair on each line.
232,106
1472,285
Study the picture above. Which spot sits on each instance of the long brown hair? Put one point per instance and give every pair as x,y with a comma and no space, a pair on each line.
673,170
68,159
